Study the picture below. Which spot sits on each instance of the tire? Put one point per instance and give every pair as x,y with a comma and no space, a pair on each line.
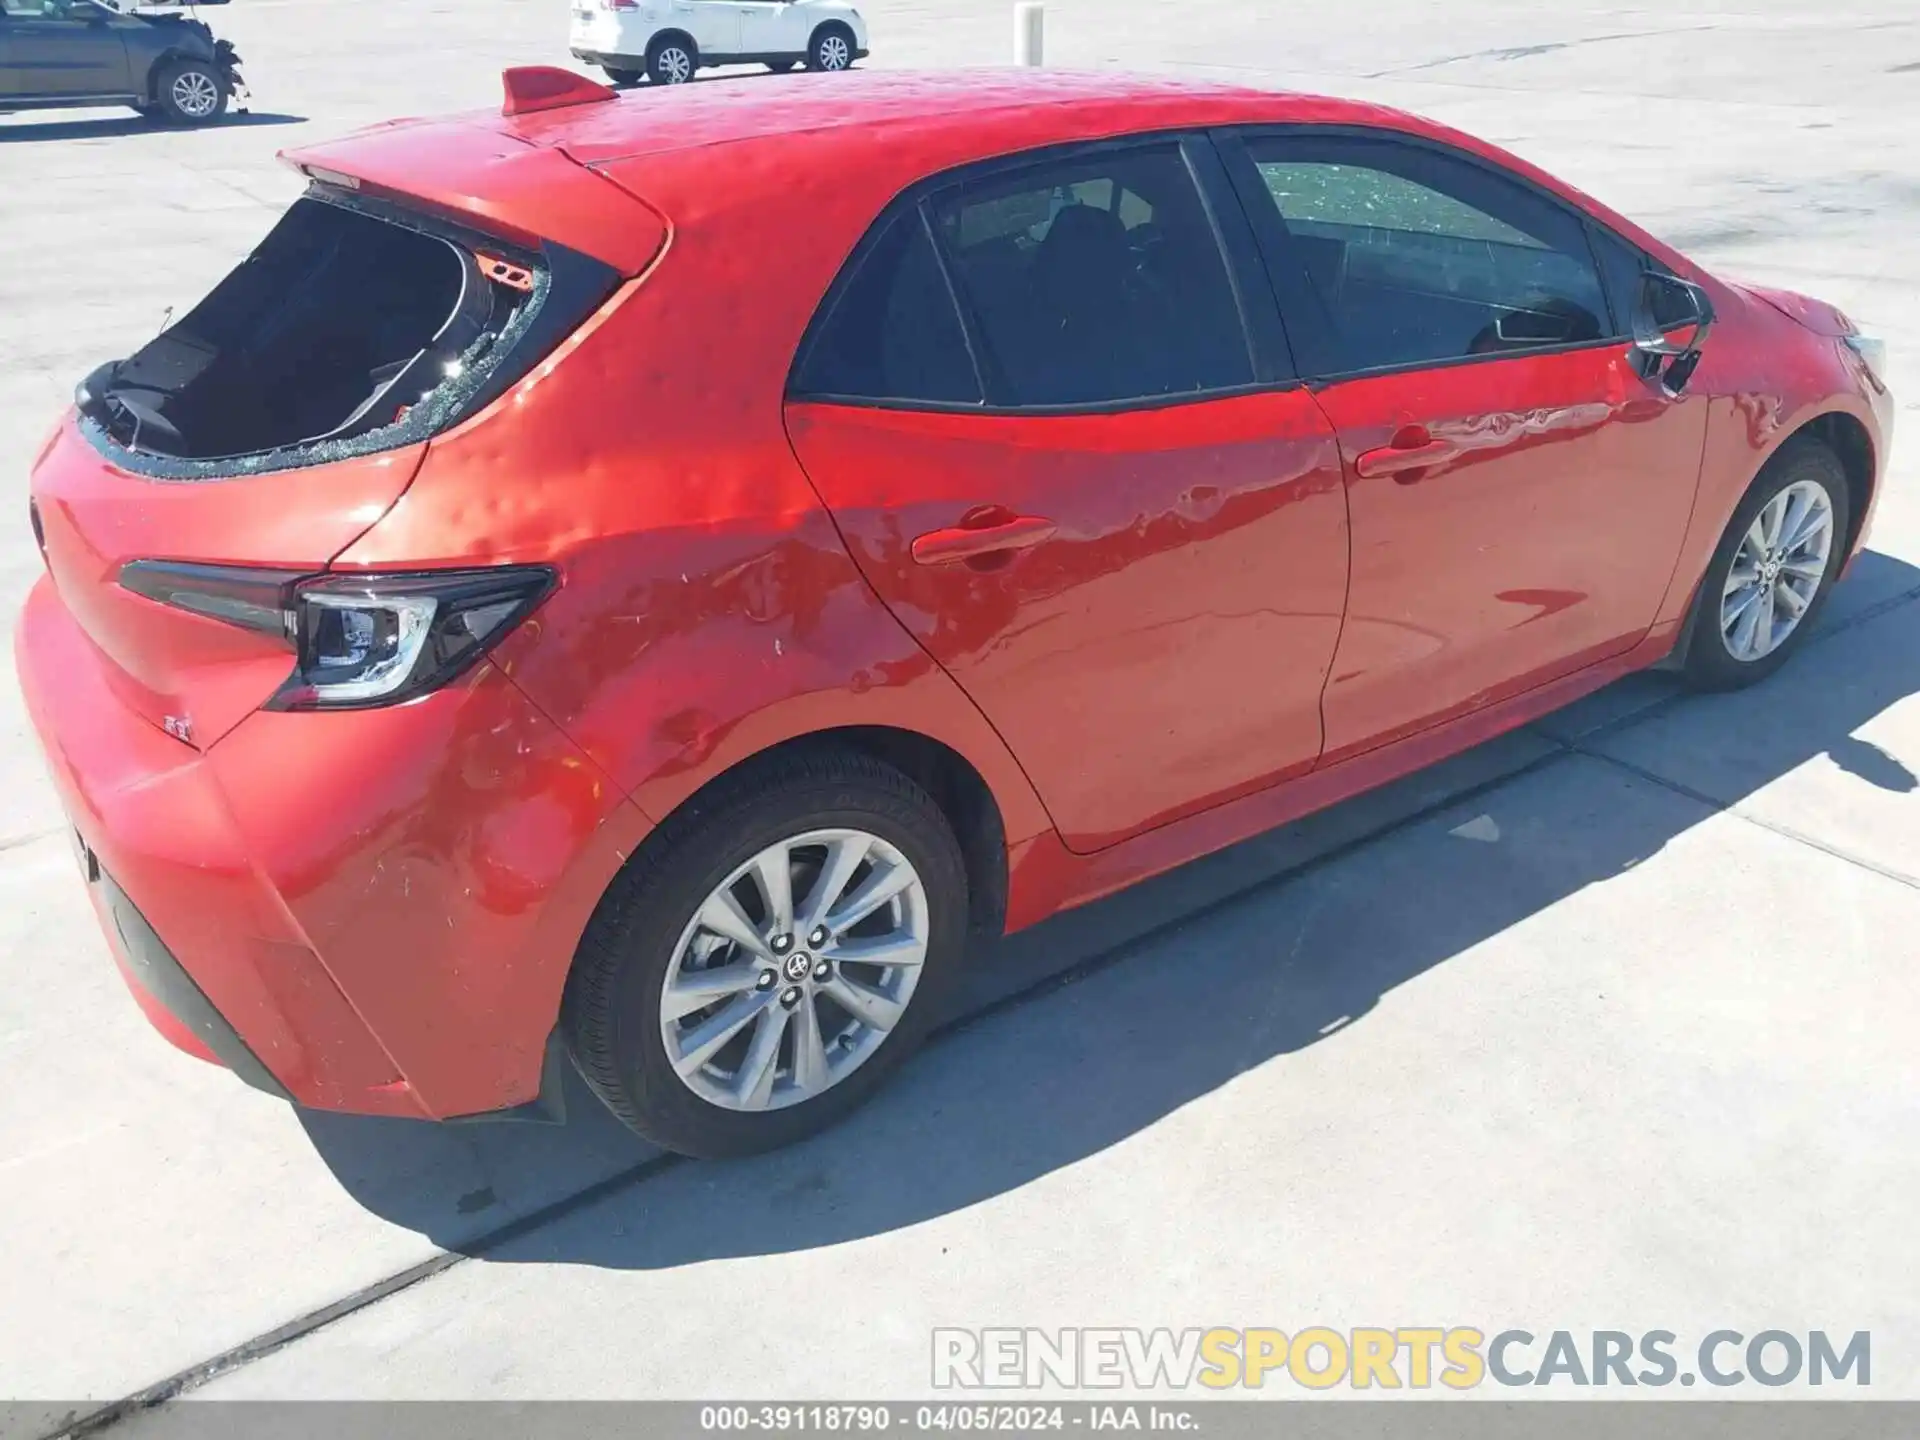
650,926
623,77
1717,658
672,60
831,48
190,92
781,67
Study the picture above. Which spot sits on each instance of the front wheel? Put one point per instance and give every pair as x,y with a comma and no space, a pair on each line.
190,92
1773,570
768,959
831,48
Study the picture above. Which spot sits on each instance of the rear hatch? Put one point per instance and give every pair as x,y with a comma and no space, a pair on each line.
428,268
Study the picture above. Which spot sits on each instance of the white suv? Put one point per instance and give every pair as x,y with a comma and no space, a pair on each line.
667,40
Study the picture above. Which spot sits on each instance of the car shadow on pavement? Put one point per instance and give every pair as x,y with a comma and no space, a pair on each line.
17,131
1084,1032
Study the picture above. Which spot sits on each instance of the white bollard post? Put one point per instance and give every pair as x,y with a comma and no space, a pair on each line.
1029,22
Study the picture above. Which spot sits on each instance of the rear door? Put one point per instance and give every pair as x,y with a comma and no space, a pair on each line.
1518,492
1093,491
714,24
60,48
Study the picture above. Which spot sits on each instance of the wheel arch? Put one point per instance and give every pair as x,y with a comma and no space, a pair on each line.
832,23
165,60
660,38
1852,444
1851,441
955,783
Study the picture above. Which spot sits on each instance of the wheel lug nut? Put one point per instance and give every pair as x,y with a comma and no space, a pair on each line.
766,980
782,944
823,971
819,936
791,998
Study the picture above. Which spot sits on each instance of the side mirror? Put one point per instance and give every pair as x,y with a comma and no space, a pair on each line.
1669,304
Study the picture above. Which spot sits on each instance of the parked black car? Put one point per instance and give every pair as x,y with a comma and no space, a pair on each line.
56,53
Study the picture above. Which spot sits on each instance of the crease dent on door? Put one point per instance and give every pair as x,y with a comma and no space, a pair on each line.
1163,648
1539,540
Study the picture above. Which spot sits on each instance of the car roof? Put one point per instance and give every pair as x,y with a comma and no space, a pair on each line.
1007,109
851,141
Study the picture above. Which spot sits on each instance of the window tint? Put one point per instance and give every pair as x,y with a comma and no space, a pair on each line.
1405,255
1638,307
1095,280
891,332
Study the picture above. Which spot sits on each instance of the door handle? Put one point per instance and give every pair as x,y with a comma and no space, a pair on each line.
968,542
1413,448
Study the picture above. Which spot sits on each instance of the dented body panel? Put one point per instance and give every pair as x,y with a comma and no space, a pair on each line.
387,919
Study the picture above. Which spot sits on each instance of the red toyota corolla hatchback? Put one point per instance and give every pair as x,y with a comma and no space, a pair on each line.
645,580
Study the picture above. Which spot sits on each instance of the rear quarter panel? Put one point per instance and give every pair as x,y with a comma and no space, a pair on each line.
708,608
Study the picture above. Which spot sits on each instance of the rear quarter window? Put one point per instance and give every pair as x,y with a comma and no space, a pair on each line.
890,331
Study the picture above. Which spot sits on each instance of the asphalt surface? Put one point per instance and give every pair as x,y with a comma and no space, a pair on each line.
1608,1024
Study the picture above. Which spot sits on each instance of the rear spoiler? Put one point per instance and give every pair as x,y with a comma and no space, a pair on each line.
475,173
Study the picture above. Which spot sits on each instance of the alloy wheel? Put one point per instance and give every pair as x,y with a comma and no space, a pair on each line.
1777,571
835,53
674,65
794,970
195,95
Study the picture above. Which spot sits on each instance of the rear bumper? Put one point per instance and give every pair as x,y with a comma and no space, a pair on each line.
178,1007
371,912
609,60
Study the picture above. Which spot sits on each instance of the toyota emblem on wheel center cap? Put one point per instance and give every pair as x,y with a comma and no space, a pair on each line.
797,965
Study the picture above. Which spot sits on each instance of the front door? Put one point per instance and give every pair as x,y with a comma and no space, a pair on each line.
763,27
1518,493
52,49
1096,505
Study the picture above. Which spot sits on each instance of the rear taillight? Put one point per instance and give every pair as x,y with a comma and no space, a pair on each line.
378,639
623,4
359,641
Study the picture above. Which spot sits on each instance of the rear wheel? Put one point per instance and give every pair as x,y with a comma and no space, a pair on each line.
1774,568
672,61
190,92
781,67
831,48
768,960
623,77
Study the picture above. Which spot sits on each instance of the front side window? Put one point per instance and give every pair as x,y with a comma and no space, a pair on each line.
50,9
1405,255
1094,280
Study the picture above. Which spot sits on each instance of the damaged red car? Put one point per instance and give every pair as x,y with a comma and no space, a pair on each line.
646,583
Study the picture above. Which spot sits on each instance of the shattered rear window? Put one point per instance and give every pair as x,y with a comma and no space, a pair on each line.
352,328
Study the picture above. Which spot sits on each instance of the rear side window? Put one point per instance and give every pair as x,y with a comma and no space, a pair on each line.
1096,279
1403,255
892,333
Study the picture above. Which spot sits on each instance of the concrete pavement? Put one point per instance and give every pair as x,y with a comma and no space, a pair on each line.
1643,1060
